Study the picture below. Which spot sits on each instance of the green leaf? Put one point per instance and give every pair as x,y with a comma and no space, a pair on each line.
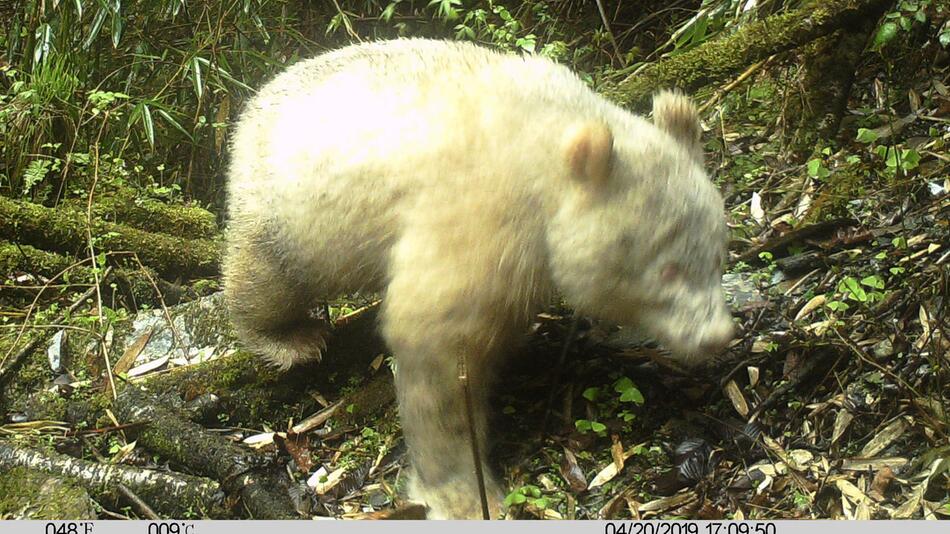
853,289
196,77
866,136
464,32
591,394
168,118
582,425
527,43
597,427
632,395
910,159
837,305
148,125
388,12
891,159
116,27
884,35
35,172
905,23
817,170
874,281
628,391
44,43
623,384
515,497
95,27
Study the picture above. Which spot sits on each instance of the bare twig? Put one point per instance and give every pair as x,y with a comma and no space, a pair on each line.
610,33
161,301
724,90
472,433
346,22
92,255
137,503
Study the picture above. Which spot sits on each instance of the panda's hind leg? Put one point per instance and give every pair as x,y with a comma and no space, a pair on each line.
270,309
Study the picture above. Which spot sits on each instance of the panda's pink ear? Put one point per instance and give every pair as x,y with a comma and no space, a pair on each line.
676,114
588,150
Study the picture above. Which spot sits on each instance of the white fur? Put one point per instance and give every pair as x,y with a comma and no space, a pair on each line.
447,176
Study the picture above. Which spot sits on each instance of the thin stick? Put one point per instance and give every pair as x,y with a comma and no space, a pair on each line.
137,503
346,22
610,33
92,257
565,348
472,435
733,84
161,301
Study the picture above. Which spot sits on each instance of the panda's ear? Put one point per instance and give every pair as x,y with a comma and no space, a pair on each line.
588,151
676,114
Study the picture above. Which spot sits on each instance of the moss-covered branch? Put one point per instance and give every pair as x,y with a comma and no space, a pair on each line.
133,283
174,494
124,207
43,495
250,392
65,231
240,470
721,58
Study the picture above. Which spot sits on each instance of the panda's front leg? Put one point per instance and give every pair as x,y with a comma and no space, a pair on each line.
437,312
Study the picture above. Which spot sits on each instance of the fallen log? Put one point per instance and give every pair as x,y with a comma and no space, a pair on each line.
718,59
65,231
263,488
251,392
30,494
173,494
134,283
126,208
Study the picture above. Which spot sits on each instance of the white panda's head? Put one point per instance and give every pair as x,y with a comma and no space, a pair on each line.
639,236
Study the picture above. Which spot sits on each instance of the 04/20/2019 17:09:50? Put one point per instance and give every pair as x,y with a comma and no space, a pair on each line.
675,527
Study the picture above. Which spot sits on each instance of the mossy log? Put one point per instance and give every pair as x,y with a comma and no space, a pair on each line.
29,494
717,60
173,494
125,207
133,283
263,489
829,65
65,231
251,392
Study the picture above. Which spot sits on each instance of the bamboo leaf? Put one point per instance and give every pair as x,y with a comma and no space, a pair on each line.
44,42
95,27
196,76
116,28
149,125
175,124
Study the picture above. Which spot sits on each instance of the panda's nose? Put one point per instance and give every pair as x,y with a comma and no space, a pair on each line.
718,336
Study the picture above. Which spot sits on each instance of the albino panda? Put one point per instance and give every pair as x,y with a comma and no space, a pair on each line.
466,186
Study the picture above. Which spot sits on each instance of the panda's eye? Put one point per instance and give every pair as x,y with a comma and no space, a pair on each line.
671,272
